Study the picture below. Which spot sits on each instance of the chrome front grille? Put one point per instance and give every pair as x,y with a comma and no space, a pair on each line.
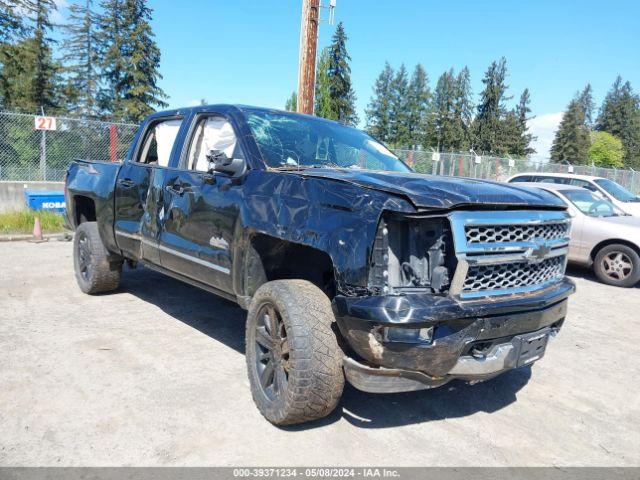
508,252
486,278
515,233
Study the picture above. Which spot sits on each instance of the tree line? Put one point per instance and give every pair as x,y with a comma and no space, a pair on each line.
108,67
612,140
405,112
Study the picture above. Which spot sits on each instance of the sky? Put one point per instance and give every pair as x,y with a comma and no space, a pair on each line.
244,51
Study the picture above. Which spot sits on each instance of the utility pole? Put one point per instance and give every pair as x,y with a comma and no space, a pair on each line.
308,51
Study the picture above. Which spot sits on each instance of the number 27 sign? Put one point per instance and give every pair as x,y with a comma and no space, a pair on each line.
45,123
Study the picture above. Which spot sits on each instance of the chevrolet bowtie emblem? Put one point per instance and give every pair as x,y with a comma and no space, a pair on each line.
539,253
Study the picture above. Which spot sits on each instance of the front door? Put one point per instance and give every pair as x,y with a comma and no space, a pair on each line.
138,190
201,208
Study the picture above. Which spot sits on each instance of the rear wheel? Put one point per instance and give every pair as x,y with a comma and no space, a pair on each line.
95,271
293,359
617,265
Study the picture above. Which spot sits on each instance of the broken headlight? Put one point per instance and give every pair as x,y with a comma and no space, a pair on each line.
412,254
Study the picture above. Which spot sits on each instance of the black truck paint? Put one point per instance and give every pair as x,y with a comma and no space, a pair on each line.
230,234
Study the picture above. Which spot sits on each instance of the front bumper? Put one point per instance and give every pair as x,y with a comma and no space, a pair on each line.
459,327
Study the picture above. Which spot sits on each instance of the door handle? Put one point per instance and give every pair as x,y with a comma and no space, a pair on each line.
175,189
126,182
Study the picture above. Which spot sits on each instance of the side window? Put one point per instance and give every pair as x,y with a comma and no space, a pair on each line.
584,184
521,178
211,133
158,142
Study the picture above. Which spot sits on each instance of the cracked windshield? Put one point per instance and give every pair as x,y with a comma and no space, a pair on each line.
292,141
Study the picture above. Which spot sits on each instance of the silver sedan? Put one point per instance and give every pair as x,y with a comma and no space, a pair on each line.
603,237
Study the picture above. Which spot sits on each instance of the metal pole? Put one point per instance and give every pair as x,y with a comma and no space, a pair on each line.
43,154
308,51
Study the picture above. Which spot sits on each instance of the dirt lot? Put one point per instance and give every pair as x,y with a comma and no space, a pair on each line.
154,374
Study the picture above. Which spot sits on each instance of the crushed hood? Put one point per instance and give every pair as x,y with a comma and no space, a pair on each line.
430,191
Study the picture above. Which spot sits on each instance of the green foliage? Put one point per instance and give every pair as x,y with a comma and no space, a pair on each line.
131,60
323,102
417,105
520,137
81,60
399,118
491,132
378,113
571,143
606,150
449,115
620,116
12,26
292,102
335,95
21,221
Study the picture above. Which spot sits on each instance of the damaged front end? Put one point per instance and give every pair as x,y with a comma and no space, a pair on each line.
459,295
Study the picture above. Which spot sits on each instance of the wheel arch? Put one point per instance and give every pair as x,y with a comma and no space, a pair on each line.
84,209
270,258
612,241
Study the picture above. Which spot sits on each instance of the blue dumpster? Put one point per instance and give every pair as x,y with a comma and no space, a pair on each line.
51,200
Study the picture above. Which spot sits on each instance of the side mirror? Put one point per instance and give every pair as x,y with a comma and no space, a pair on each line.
219,162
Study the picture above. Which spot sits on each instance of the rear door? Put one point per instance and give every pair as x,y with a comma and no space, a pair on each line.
201,209
138,189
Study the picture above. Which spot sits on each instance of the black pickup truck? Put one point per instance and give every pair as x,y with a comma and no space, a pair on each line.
349,264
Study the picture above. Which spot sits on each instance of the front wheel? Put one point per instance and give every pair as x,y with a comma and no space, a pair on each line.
293,358
95,271
617,265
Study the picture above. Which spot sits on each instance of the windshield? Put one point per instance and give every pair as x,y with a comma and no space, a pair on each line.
591,204
294,141
617,191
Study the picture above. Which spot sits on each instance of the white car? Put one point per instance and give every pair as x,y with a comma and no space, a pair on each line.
602,236
622,198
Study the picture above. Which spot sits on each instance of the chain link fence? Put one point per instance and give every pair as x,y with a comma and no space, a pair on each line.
29,154
500,169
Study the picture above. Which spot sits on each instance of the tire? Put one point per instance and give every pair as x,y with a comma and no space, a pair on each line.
95,273
617,265
306,363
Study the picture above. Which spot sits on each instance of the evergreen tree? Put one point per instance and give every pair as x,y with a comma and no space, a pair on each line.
522,145
379,109
571,143
418,96
440,126
81,60
462,111
341,93
489,124
110,37
43,88
620,116
140,79
585,99
323,104
292,102
399,118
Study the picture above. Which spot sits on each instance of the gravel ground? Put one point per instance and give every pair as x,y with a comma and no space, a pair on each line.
154,374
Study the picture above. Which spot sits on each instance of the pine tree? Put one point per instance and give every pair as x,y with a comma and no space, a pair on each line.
323,105
522,145
379,109
585,99
341,94
110,37
440,125
140,89
43,88
462,111
418,96
81,60
399,118
292,102
489,123
571,143
620,116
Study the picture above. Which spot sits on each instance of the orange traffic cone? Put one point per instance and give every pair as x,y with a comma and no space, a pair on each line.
37,232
